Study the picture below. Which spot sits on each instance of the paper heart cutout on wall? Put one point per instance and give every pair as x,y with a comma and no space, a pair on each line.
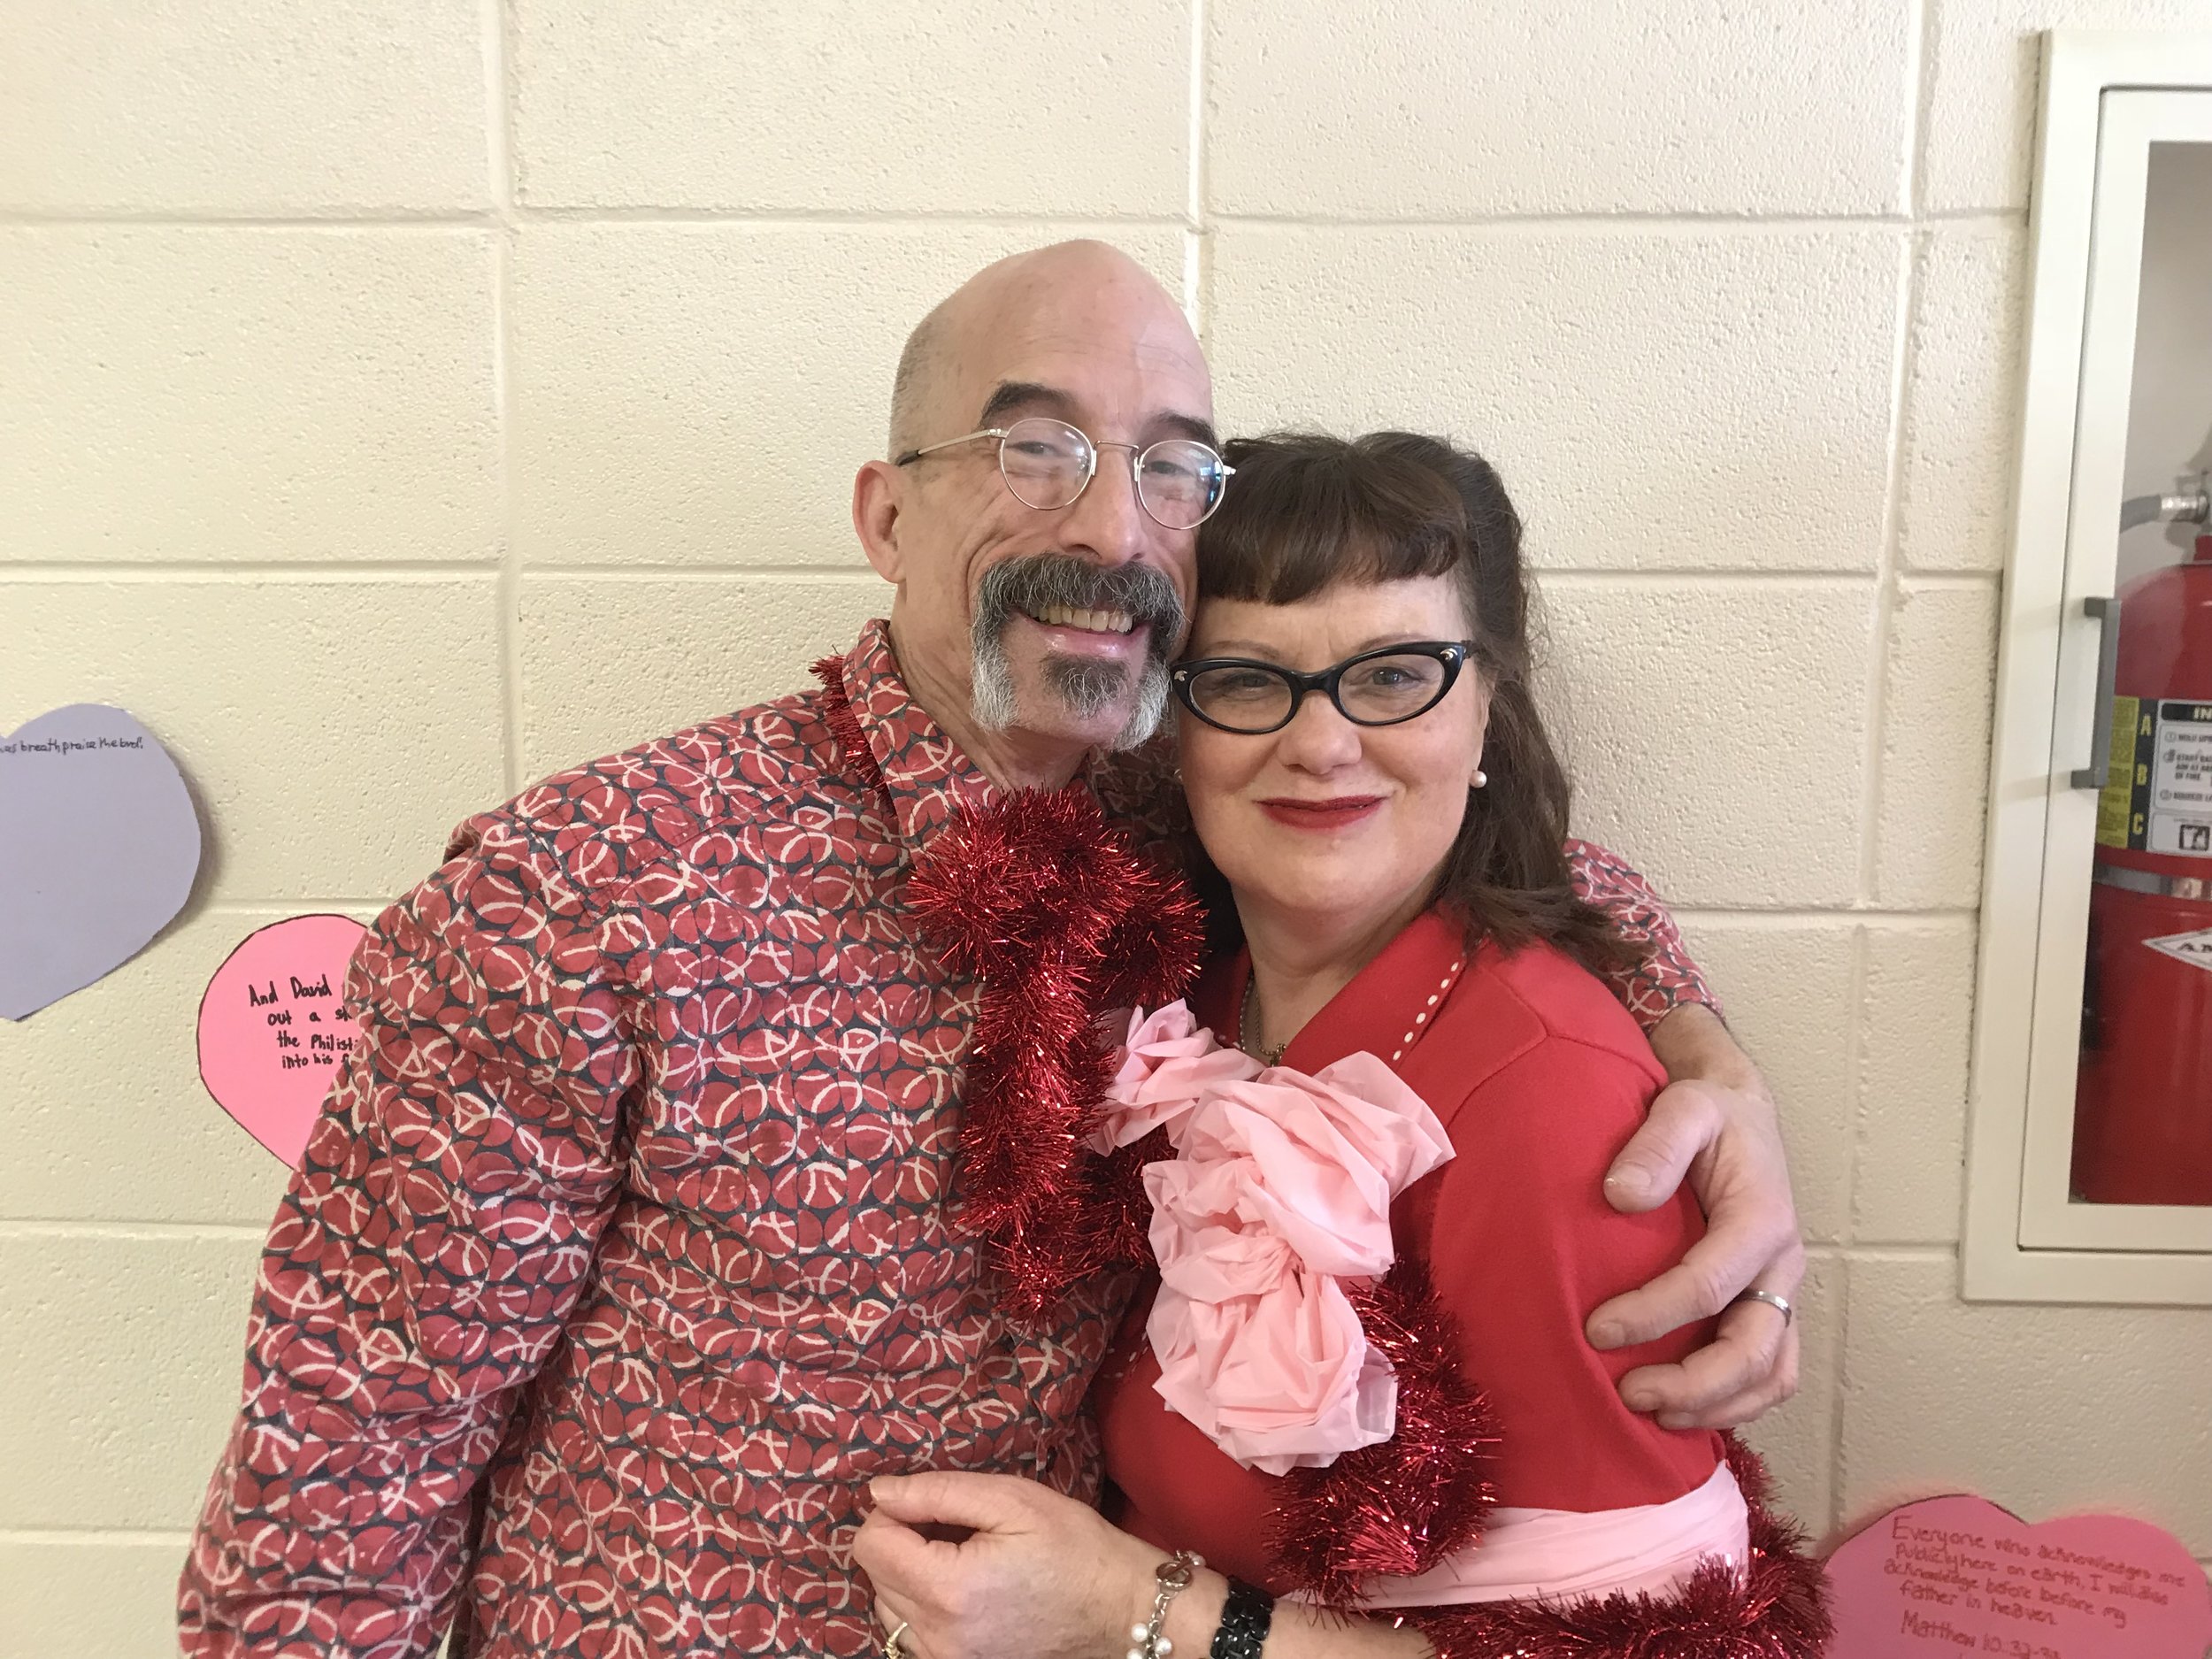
98,847
272,1033
1959,1575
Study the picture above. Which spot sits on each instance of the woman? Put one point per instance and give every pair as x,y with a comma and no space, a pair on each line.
1363,1381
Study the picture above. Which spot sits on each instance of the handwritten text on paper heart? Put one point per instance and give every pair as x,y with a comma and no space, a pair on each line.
1959,1576
273,1032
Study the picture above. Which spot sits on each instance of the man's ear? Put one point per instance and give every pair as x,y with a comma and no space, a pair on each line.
876,490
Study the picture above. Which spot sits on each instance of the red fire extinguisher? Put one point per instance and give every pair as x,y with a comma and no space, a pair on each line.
2143,1101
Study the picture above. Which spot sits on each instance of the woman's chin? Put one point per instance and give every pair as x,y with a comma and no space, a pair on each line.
1321,903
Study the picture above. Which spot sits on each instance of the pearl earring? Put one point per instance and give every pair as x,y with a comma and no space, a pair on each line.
1480,778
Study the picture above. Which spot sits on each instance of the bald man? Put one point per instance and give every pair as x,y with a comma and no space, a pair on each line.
623,1254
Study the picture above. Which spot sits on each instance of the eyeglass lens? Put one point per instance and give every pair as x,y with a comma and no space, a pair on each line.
1047,463
1377,691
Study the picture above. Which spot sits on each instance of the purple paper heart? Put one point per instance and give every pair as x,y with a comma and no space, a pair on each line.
98,847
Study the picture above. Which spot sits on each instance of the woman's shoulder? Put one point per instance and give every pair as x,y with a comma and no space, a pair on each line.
1532,1033
1554,1002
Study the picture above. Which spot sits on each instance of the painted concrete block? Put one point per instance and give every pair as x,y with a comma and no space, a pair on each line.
607,663
333,731
1658,398
98,1597
1935,746
1456,110
702,393
1918,1021
1983,80
1962,428
248,106
1786,990
2048,1411
230,393
121,1373
1715,731
966,108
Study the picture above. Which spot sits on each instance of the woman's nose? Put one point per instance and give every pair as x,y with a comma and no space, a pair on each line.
1318,737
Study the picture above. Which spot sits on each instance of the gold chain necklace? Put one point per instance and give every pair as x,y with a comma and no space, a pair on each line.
1248,1025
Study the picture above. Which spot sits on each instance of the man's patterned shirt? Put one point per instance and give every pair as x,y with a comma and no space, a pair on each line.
624,1236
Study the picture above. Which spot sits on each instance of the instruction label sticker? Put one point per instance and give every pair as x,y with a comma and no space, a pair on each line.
2158,795
2181,780
2193,949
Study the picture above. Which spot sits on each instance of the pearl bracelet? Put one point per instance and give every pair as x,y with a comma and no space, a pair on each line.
1169,1578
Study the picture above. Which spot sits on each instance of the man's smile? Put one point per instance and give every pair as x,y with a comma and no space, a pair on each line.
1104,635
1088,621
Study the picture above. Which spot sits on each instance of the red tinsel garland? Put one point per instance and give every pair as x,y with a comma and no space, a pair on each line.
837,714
1062,918
1402,1506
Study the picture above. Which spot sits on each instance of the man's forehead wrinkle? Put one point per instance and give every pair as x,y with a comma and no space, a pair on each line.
1068,355
1013,397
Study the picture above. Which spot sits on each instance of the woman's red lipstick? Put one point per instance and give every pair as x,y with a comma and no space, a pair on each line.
1333,813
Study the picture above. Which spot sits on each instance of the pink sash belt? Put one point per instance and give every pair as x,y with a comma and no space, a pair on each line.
1562,1554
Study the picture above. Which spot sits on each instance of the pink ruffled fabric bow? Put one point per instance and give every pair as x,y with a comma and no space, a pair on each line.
1282,1189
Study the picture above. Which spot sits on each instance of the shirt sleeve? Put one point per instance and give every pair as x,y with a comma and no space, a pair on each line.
426,1253
1522,1246
1663,977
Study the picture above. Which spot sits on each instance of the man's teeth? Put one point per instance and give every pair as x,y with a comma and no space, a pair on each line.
1090,621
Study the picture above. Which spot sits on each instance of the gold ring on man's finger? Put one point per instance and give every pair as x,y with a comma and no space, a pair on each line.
891,1648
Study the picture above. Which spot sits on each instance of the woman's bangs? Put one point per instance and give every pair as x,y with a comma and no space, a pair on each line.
1323,513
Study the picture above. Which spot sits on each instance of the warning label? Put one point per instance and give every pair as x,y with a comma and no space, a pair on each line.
2158,795
2193,949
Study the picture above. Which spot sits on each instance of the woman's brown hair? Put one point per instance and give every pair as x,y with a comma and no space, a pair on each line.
1308,512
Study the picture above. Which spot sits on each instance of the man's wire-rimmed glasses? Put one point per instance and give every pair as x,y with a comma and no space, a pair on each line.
1048,463
1377,688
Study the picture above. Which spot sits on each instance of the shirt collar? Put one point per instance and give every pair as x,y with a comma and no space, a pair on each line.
926,774
1387,1008
929,778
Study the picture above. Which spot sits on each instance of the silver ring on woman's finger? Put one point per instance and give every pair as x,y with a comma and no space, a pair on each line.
1767,1297
891,1648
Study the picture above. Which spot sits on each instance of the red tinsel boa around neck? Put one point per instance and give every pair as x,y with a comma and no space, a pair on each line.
1062,918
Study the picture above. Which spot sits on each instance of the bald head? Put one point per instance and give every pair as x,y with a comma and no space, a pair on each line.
1071,291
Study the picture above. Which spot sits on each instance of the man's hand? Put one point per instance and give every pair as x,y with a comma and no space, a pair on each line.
1715,1123
1038,1575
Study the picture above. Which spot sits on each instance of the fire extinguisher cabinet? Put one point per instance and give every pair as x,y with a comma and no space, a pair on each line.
2089,1144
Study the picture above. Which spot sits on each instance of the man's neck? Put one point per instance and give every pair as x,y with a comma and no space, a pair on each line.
1013,758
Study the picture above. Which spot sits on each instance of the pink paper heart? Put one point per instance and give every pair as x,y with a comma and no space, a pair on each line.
1958,1575
271,1032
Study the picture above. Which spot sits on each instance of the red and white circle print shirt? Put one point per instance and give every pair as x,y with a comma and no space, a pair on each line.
624,1242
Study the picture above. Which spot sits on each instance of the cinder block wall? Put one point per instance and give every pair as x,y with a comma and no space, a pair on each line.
398,401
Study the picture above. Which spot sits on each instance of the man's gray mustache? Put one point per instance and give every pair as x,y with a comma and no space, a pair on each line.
1042,581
